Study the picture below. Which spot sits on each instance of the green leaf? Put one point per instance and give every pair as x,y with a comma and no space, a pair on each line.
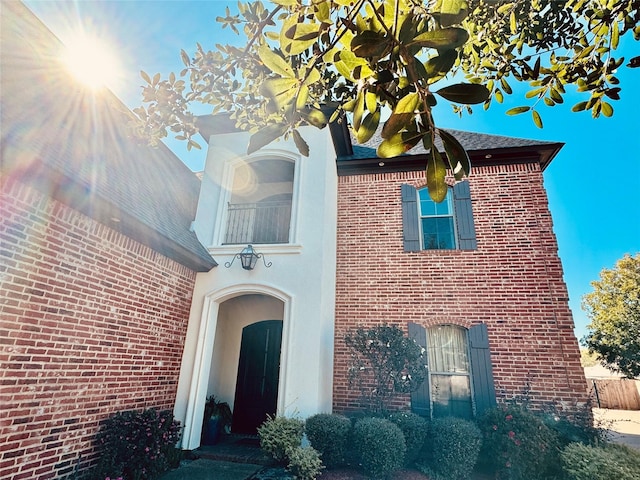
398,144
185,58
452,12
369,44
346,63
536,118
281,90
322,12
314,117
607,109
578,107
438,67
358,111
145,76
264,137
402,115
275,62
368,127
465,93
301,145
517,110
456,154
442,39
299,37
436,173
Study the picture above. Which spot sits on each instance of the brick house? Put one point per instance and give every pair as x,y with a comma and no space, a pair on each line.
111,300
97,261
476,280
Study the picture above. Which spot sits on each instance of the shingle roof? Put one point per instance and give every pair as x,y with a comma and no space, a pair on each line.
78,146
354,158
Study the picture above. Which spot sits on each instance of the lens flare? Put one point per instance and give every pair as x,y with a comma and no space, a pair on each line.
91,61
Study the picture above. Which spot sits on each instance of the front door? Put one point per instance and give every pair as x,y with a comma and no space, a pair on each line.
258,373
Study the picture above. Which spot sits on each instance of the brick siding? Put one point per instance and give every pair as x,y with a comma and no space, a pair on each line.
513,282
92,323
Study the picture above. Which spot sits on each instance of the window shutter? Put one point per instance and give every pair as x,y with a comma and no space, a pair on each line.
410,224
420,399
464,217
481,369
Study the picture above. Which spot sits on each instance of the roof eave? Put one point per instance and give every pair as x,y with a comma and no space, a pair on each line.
67,190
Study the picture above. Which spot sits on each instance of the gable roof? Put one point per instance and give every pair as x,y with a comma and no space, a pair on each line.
76,146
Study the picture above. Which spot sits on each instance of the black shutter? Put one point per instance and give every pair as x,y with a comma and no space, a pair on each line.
410,225
464,217
420,399
481,369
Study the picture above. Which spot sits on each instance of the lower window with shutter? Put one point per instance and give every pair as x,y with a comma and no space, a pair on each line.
460,380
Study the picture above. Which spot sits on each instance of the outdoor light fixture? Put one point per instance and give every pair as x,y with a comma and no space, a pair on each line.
248,258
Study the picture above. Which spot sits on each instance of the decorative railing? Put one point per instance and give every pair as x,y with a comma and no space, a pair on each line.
264,222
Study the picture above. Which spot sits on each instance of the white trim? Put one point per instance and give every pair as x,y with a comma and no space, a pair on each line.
204,352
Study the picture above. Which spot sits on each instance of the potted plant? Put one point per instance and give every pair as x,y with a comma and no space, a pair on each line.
217,418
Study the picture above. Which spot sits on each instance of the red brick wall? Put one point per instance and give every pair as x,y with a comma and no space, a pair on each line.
92,323
512,282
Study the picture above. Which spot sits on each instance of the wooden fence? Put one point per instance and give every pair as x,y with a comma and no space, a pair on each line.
620,394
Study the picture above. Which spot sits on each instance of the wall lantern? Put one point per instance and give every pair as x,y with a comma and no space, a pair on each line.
248,258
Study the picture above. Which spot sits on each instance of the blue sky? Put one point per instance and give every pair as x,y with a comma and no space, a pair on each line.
593,184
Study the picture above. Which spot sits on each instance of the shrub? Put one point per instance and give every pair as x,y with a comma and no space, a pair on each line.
451,449
379,446
579,427
517,444
304,463
329,435
136,445
611,461
279,435
414,428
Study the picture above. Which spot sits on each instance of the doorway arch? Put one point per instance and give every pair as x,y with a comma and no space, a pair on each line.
210,350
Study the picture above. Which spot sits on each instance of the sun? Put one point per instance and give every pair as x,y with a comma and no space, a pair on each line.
91,61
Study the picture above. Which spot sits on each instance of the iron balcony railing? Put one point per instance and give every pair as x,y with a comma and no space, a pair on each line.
264,222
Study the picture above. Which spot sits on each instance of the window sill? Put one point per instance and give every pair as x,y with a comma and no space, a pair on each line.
265,248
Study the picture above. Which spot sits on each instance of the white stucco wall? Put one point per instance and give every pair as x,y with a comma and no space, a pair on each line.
302,276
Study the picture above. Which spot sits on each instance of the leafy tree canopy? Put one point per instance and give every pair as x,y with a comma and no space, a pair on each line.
614,310
302,58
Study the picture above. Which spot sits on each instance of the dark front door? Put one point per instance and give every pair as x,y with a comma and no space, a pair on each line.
258,373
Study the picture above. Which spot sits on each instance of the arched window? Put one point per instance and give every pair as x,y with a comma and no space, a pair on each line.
259,209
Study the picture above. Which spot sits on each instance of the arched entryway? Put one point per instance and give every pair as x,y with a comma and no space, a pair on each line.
246,357
215,351
256,394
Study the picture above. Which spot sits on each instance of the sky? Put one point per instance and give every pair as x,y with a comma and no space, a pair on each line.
593,184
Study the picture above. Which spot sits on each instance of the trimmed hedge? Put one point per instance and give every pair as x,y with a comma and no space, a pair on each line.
414,428
452,448
329,435
379,446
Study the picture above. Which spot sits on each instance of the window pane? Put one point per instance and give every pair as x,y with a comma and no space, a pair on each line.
451,396
438,233
427,206
438,229
447,349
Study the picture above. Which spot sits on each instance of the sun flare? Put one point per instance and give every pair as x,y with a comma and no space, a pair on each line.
92,61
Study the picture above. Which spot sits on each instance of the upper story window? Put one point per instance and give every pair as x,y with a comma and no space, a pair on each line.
259,208
437,222
428,225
